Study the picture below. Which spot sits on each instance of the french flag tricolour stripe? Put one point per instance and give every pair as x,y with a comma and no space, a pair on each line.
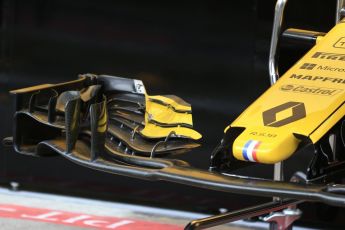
249,150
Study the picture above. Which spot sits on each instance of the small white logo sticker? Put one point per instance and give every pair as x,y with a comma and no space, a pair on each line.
139,87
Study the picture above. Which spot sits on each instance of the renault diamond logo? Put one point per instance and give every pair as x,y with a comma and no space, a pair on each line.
297,112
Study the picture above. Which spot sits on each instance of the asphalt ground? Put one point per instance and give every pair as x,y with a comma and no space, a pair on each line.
32,211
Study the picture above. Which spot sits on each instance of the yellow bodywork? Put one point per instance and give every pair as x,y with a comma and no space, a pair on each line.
155,131
169,112
166,114
175,102
307,100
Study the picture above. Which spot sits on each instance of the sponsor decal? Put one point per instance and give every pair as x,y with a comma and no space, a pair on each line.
340,43
308,66
330,68
139,86
322,91
297,112
263,134
329,56
311,66
249,150
318,78
77,219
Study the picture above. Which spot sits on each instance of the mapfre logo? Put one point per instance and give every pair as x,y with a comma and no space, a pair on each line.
336,80
322,91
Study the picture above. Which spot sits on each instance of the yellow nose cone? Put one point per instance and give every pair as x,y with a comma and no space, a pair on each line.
264,145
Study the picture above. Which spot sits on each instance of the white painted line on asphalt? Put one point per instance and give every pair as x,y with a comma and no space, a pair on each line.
7,209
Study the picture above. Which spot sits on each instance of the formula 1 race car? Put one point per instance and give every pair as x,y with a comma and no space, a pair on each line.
112,124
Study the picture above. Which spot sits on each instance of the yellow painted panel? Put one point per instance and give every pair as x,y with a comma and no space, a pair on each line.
312,91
